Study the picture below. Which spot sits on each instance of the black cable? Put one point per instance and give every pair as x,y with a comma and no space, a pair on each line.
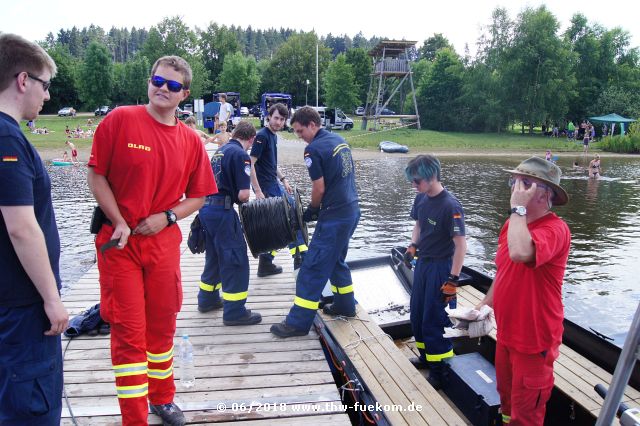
267,224
64,388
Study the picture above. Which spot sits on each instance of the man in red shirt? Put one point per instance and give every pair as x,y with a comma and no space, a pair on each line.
147,170
526,294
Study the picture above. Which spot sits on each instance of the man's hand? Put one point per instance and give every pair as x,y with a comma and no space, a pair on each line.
121,232
58,317
310,214
287,187
449,290
520,196
259,195
151,225
409,255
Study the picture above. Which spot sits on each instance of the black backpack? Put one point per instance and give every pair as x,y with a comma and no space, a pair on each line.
197,236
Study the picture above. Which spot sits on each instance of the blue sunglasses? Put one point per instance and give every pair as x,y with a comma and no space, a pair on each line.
172,85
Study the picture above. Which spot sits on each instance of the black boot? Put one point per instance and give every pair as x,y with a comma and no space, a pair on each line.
266,267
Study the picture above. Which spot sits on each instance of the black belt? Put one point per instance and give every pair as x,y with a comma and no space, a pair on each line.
215,201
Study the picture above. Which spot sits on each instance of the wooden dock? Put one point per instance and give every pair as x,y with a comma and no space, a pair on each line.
243,373
405,394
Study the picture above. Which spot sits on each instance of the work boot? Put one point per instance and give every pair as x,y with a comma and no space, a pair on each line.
170,414
283,330
206,308
438,374
266,267
418,363
249,318
335,312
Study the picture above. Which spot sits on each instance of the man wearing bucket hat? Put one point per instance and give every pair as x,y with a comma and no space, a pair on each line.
526,294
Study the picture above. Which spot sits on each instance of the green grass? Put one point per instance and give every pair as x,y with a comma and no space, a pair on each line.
426,139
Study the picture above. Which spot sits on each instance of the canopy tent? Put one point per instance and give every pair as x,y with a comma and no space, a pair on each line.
612,119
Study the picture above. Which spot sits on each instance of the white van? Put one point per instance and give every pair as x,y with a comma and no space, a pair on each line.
334,118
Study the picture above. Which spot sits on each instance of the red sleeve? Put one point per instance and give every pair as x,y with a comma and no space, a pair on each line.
201,181
102,147
551,240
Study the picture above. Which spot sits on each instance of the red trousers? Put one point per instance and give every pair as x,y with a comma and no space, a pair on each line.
140,296
525,382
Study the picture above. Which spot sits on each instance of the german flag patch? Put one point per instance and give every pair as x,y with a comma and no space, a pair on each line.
9,158
457,216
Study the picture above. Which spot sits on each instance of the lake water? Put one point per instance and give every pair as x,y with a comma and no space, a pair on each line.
601,288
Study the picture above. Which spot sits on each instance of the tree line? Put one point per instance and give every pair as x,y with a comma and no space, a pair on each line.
524,71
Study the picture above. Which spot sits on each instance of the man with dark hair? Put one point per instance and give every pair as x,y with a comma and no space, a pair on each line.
268,181
526,294
438,240
147,170
32,316
225,114
334,204
227,264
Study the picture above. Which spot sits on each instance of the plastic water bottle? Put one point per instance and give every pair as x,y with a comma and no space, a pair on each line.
187,373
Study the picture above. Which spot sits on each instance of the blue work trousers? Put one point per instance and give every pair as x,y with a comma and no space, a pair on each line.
276,190
226,262
30,368
324,261
428,317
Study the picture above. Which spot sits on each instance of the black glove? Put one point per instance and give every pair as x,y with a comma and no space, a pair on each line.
310,213
409,255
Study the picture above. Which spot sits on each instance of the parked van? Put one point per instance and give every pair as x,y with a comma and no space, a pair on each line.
334,118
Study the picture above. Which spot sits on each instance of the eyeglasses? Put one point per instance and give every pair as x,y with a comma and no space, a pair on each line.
45,84
527,183
172,86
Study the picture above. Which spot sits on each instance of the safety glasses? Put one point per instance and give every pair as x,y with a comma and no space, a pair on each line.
172,86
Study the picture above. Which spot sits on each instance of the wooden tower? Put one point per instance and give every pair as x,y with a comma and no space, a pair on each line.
391,77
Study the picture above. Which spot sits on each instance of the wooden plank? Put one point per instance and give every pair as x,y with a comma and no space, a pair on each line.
388,374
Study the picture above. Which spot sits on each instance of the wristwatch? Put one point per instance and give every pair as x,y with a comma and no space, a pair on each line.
171,217
519,210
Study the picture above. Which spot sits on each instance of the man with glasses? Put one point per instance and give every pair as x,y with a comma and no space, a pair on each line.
526,294
438,241
32,316
147,170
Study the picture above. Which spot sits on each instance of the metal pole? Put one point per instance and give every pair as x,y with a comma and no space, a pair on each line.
306,92
622,373
316,75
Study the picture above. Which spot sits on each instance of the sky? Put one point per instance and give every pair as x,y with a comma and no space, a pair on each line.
459,21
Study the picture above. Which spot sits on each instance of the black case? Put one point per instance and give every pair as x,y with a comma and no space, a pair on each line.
472,388
98,218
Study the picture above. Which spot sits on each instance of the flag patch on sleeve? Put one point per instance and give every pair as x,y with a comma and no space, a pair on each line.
12,158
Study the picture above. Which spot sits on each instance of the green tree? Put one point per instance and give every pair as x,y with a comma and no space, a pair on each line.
293,64
438,93
339,84
240,74
170,37
137,73
96,76
431,46
63,90
215,43
362,66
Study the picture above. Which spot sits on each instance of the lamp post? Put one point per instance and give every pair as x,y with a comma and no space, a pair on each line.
306,93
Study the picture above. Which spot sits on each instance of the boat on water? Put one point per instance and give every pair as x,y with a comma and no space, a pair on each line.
392,147
383,287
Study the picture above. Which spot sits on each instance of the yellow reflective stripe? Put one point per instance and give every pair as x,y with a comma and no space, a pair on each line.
134,391
342,290
506,419
160,374
440,357
339,148
307,304
165,356
134,369
208,287
234,297
301,248
419,345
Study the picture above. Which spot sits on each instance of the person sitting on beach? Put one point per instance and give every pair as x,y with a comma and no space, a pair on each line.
594,167
65,157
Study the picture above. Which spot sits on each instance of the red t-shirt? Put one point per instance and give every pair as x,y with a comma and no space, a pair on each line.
149,165
527,297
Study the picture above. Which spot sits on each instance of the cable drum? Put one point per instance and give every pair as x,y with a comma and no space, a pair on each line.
272,223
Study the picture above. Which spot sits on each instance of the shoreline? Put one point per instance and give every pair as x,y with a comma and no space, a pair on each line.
292,151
